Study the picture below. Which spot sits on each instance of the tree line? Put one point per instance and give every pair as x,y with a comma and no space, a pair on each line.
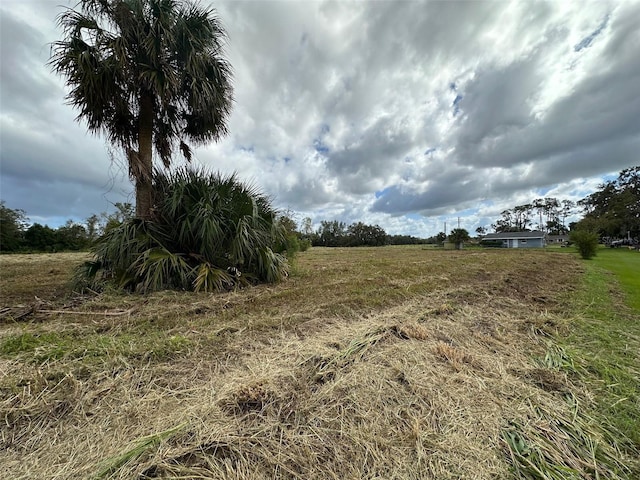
17,235
547,215
335,233
611,212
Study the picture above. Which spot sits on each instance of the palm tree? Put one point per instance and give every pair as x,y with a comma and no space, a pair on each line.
209,232
150,75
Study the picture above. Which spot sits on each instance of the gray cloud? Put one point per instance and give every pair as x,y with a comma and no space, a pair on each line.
26,85
393,112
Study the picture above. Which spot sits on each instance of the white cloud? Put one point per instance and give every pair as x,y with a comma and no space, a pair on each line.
397,113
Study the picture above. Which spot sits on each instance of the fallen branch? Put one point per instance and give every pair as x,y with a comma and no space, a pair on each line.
72,312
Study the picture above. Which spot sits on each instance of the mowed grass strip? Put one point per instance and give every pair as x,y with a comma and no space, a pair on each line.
395,362
23,277
625,264
605,338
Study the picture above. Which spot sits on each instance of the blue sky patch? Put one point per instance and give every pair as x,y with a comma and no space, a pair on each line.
455,105
430,150
383,192
588,40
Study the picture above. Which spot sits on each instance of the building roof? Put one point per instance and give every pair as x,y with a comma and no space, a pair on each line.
511,235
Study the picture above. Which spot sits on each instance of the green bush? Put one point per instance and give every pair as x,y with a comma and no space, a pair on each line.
586,242
208,232
292,245
305,244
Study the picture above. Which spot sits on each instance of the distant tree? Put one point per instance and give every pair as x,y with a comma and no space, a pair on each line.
567,209
93,227
40,238
288,223
71,236
552,211
481,231
332,233
12,227
506,223
521,217
458,236
150,74
307,235
306,227
614,209
555,227
361,234
441,237
408,240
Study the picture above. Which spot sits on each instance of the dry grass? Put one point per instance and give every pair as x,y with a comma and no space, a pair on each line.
44,275
366,363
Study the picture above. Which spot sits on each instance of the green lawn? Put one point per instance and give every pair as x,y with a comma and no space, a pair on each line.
625,264
605,337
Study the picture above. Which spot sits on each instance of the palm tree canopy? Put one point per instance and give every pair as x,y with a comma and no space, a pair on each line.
163,58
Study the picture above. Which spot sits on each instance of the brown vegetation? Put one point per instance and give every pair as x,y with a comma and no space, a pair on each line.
366,363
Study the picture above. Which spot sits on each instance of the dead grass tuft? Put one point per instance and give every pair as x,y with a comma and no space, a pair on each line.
413,330
548,380
443,309
455,356
247,398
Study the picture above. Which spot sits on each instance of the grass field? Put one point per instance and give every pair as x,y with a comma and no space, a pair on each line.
393,362
605,339
625,264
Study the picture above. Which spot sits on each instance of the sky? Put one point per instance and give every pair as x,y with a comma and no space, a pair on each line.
404,114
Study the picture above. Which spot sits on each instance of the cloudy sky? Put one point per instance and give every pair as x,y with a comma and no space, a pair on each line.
405,114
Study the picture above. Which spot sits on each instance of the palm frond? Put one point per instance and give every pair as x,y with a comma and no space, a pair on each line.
159,269
211,278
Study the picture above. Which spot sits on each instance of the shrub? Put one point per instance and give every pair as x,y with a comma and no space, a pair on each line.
291,245
305,244
586,242
208,232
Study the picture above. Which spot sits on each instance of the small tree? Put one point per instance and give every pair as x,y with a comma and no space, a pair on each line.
124,212
290,243
586,243
12,226
459,236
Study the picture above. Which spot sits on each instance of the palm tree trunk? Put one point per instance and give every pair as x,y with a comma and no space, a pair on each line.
143,170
